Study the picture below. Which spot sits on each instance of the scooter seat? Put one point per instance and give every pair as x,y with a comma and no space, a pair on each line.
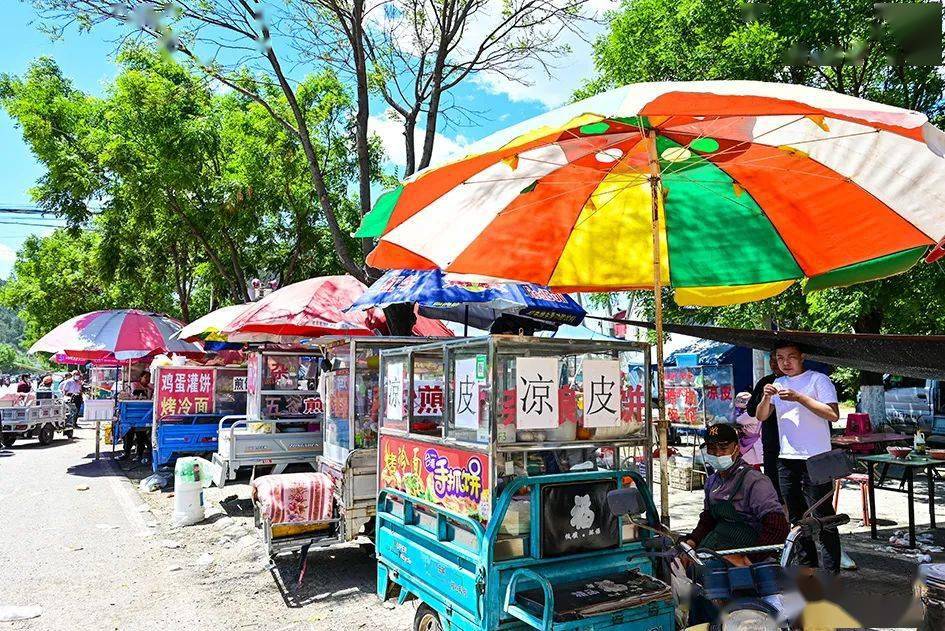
597,595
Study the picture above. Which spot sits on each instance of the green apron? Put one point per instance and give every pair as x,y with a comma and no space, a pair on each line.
731,531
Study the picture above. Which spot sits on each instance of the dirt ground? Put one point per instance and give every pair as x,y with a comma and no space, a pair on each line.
84,544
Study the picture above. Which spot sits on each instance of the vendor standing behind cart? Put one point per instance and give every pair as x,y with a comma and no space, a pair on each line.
142,388
806,405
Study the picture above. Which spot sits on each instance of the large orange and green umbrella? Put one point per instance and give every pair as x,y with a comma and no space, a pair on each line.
729,191
762,186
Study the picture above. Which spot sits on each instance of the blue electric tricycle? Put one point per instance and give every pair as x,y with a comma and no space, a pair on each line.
495,515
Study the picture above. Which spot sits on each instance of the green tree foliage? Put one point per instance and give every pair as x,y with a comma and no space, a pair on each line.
11,327
8,358
834,45
190,192
59,276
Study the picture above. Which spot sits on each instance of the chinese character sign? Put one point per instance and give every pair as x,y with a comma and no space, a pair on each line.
427,397
454,478
601,393
536,392
466,394
184,390
394,390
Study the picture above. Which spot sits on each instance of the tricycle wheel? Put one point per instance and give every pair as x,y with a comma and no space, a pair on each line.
426,619
69,433
8,440
46,434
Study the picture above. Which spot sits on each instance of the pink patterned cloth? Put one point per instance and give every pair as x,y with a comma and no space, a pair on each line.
294,497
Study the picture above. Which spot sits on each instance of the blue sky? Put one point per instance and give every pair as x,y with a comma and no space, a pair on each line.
87,60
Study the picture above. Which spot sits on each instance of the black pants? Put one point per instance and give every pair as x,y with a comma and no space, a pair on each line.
799,495
141,439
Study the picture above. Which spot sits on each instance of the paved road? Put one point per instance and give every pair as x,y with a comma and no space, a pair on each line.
99,558
108,558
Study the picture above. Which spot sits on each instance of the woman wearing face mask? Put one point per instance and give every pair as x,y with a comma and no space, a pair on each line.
741,506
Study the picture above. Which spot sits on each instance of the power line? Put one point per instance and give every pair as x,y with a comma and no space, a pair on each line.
16,209
34,225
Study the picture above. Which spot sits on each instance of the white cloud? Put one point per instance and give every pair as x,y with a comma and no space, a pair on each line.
568,72
391,133
7,254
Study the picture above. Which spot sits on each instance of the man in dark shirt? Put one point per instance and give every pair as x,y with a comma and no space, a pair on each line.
770,442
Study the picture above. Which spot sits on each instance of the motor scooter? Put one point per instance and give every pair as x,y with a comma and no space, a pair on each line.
761,596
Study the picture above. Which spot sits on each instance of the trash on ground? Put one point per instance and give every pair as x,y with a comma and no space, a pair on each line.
9,613
155,481
170,543
205,559
82,487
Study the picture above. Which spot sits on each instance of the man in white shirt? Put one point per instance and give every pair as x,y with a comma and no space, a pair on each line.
806,405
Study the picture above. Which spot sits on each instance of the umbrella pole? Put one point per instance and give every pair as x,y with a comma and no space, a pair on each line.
662,425
466,322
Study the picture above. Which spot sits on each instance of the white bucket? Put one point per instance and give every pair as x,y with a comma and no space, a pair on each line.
188,492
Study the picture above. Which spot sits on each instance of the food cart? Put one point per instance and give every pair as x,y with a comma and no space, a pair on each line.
349,459
191,404
494,514
282,421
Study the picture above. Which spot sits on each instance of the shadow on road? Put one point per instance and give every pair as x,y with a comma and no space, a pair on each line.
331,576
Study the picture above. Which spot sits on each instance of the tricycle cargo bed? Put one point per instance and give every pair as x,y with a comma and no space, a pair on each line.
561,579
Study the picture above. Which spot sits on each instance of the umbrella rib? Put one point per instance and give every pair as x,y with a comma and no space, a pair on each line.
741,143
570,163
685,166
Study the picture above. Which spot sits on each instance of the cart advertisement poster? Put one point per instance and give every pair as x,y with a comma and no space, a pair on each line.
699,395
454,478
184,390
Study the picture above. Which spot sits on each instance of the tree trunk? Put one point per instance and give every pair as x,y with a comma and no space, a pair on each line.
361,117
872,394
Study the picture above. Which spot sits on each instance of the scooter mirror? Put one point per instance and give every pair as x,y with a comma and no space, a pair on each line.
829,466
626,501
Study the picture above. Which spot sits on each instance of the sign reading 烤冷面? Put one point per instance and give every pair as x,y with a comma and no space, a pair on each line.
454,478
184,390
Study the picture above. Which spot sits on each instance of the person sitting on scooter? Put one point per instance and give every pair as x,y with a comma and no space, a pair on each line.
742,509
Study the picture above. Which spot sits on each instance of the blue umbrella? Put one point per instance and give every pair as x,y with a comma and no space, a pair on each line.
470,300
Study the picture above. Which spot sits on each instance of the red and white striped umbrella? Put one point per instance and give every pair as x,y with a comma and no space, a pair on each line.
316,307
119,333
